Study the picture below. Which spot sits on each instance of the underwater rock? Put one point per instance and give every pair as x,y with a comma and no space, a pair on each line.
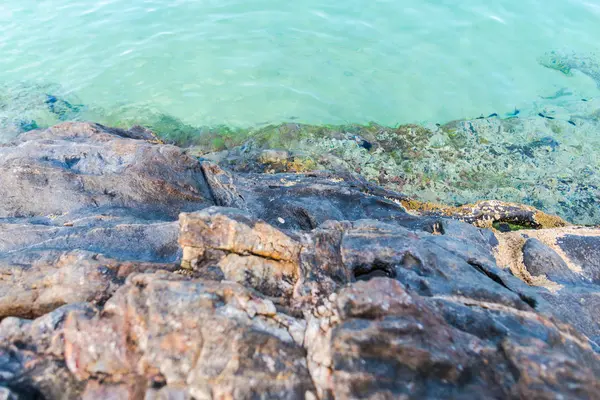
528,149
64,110
541,162
279,285
26,126
566,62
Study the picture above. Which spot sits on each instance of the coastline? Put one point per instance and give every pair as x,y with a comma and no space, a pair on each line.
133,269
545,156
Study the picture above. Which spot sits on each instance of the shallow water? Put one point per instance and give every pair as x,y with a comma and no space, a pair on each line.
244,63
179,64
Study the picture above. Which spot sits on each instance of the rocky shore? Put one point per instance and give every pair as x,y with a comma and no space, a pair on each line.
133,269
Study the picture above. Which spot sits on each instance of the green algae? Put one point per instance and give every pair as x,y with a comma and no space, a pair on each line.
508,226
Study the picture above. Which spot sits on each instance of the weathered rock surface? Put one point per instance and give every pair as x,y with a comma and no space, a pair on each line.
282,285
39,282
564,260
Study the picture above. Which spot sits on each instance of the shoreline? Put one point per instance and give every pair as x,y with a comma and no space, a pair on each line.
133,269
545,155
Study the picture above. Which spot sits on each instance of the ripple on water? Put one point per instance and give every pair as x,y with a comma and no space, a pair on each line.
180,65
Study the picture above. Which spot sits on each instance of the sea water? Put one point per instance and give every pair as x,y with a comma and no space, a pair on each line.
319,61
256,62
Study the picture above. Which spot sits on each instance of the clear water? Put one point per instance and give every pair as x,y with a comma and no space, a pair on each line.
256,62
244,63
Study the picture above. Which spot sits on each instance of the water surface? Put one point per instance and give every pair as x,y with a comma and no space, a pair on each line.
243,63
531,68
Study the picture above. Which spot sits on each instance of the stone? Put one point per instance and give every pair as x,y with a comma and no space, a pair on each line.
392,343
246,250
43,281
584,251
95,166
542,260
308,285
32,355
196,333
567,258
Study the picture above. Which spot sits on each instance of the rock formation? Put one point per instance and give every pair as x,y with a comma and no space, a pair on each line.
130,269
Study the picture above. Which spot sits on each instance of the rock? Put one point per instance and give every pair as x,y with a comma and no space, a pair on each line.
542,260
40,334
583,251
388,337
96,167
95,189
96,390
32,355
39,282
247,251
206,335
273,156
543,371
487,214
567,256
274,285
222,187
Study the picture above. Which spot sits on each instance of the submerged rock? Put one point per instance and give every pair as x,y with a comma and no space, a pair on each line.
566,62
275,285
547,163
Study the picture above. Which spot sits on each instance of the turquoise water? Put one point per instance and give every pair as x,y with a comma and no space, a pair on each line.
177,66
244,63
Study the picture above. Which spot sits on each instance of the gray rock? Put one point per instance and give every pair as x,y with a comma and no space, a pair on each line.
585,251
542,260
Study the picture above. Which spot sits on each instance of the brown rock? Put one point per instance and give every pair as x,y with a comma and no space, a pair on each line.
218,339
247,250
315,285
56,278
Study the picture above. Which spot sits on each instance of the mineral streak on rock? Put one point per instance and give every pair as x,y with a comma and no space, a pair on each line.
278,285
